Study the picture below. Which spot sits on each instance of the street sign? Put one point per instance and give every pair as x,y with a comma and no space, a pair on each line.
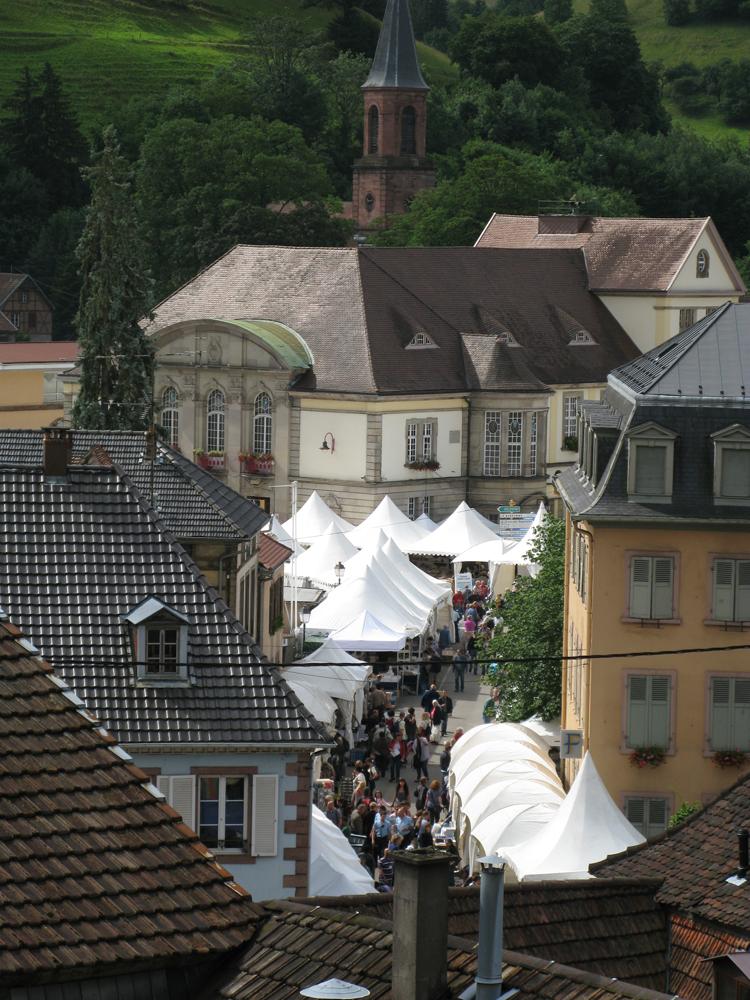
508,510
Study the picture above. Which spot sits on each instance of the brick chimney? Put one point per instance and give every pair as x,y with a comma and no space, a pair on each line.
420,925
57,450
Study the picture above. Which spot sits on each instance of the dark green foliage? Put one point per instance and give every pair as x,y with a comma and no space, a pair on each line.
620,85
23,122
533,627
734,99
715,10
116,358
353,31
676,12
496,48
557,11
686,810
429,15
609,10
53,263
203,187
22,211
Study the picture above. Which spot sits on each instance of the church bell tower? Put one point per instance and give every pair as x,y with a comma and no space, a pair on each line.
393,167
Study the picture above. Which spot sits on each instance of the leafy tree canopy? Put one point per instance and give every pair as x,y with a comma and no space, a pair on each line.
495,48
116,358
533,627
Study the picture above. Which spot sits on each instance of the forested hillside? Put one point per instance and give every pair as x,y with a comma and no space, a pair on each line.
239,128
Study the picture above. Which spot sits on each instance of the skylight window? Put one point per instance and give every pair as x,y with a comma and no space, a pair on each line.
420,340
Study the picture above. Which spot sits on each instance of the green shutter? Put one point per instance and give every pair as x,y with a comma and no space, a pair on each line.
742,591
635,812
741,714
658,712
723,610
656,819
662,604
721,713
637,732
640,587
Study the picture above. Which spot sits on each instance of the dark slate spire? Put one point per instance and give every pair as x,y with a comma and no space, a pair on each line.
396,63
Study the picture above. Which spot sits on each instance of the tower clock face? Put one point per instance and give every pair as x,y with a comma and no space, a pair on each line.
369,201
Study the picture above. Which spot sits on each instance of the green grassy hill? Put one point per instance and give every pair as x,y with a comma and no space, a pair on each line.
109,50
700,43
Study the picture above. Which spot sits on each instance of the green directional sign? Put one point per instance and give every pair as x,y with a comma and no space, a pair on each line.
509,510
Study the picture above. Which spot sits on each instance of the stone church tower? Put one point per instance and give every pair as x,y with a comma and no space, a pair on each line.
393,167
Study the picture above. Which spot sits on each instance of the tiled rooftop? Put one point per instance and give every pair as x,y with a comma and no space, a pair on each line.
300,945
95,872
695,860
78,553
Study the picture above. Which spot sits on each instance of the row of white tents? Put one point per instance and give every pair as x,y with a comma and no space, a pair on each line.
507,799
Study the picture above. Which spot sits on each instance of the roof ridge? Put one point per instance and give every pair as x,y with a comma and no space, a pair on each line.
168,452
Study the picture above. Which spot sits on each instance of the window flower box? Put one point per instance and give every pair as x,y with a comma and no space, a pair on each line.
730,758
647,757
213,461
423,465
257,465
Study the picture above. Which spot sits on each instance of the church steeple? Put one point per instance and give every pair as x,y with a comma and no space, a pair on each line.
396,63
393,167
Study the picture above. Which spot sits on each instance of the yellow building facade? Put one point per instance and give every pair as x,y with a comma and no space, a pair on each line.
31,393
657,576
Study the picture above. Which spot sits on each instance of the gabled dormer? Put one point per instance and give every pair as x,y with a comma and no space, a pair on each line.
650,463
732,466
420,340
159,642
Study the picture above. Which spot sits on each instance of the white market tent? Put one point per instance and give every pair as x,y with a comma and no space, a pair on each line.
387,517
276,528
330,670
317,563
427,523
490,551
368,635
335,869
319,704
464,529
313,518
367,591
587,828
438,590
411,593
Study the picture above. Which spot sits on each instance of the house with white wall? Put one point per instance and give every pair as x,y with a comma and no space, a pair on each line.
91,572
423,373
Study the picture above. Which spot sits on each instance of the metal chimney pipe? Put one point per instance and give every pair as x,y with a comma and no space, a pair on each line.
743,838
489,977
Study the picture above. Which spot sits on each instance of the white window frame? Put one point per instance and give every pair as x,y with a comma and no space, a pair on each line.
420,341
686,318
492,443
421,440
533,441
651,435
570,419
220,848
730,598
650,738
733,438
170,415
647,828
215,414
738,729
514,443
418,506
263,424
646,598
702,255
141,650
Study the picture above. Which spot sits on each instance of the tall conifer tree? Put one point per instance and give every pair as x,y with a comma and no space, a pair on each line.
116,357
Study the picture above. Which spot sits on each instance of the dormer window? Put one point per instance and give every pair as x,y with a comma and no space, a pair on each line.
650,464
420,339
506,338
702,263
581,338
732,466
159,640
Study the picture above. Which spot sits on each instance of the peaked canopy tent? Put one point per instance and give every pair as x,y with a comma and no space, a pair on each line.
587,828
331,671
276,528
335,869
366,591
438,590
462,530
392,521
515,557
426,522
313,518
407,589
319,704
368,635
318,563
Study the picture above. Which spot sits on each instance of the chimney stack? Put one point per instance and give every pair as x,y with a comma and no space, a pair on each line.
420,925
743,838
489,977
57,450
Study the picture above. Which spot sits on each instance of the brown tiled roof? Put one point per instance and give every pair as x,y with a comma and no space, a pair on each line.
300,945
46,352
358,309
691,943
612,927
694,862
272,553
95,872
621,254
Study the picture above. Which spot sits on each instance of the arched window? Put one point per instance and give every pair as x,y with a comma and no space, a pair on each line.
215,421
170,415
702,262
373,125
262,425
408,130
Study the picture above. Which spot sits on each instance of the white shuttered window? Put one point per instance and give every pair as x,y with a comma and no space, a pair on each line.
652,587
730,713
650,470
735,472
731,598
648,815
265,815
649,711
179,791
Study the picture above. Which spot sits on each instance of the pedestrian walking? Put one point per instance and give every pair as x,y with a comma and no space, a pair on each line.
459,668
